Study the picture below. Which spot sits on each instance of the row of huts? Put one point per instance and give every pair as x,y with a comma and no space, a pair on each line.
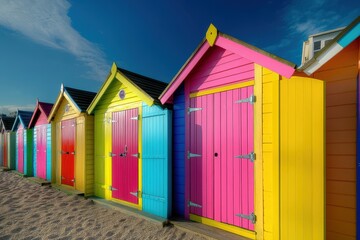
240,139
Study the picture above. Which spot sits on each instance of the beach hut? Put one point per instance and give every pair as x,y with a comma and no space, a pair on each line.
132,142
338,65
41,140
6,125
72,141
248,142
23,143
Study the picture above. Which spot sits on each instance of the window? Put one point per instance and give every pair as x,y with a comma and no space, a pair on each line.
317,46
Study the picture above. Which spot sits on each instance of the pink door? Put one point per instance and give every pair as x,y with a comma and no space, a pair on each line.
125,155
41,151
221,169
68,152
20,136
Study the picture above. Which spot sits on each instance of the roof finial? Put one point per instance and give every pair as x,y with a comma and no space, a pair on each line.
113,68
211,34
62,87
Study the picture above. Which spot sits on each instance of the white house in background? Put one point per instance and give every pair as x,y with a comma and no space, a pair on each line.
316,42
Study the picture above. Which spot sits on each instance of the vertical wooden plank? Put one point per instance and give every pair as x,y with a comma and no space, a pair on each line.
217,163
223,157
258,140
250,134
237,162
230,99
209,137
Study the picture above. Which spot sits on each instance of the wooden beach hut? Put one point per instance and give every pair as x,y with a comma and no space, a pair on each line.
6,125
23,142
5,128
72,141
133,142
338,64
248,142
42,130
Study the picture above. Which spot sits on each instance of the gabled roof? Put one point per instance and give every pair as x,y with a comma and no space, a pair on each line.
342,40
216,38
78,99
41,107
22,117
8,123
146,88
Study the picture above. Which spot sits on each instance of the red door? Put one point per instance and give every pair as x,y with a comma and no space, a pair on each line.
68,152
125,155
5,149
20,137
221,175
41,151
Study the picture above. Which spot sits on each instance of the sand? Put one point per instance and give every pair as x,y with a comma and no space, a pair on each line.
31,211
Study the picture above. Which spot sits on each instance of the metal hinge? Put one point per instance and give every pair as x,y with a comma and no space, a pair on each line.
251,217
135,118
193,109
251,99
191,155
112,154
136,194
73,180
137,155
192,204
251,156
111,188
73,153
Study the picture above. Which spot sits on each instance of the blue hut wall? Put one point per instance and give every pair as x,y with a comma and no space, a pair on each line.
156,160
48,153
179,152
28,152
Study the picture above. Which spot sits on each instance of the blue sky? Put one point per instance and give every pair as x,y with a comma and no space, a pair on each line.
45,43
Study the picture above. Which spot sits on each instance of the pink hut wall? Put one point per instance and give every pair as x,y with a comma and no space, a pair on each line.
220,67
20,149
222,184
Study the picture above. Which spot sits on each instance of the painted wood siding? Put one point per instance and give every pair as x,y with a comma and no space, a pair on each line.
12,150
179,152
1,149
110,102
302,158
34,152
156,160
220,67
28,152
49,130
270,154
340,75
89,155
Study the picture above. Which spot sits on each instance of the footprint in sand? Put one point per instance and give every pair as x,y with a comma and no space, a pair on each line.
32,228
109,234
6,237
16,230
79,229
35,215
53,236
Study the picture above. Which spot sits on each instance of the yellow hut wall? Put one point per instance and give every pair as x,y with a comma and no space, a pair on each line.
279,219
109,103
84,140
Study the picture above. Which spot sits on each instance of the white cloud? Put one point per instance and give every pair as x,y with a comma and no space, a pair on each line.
47,22
6,109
